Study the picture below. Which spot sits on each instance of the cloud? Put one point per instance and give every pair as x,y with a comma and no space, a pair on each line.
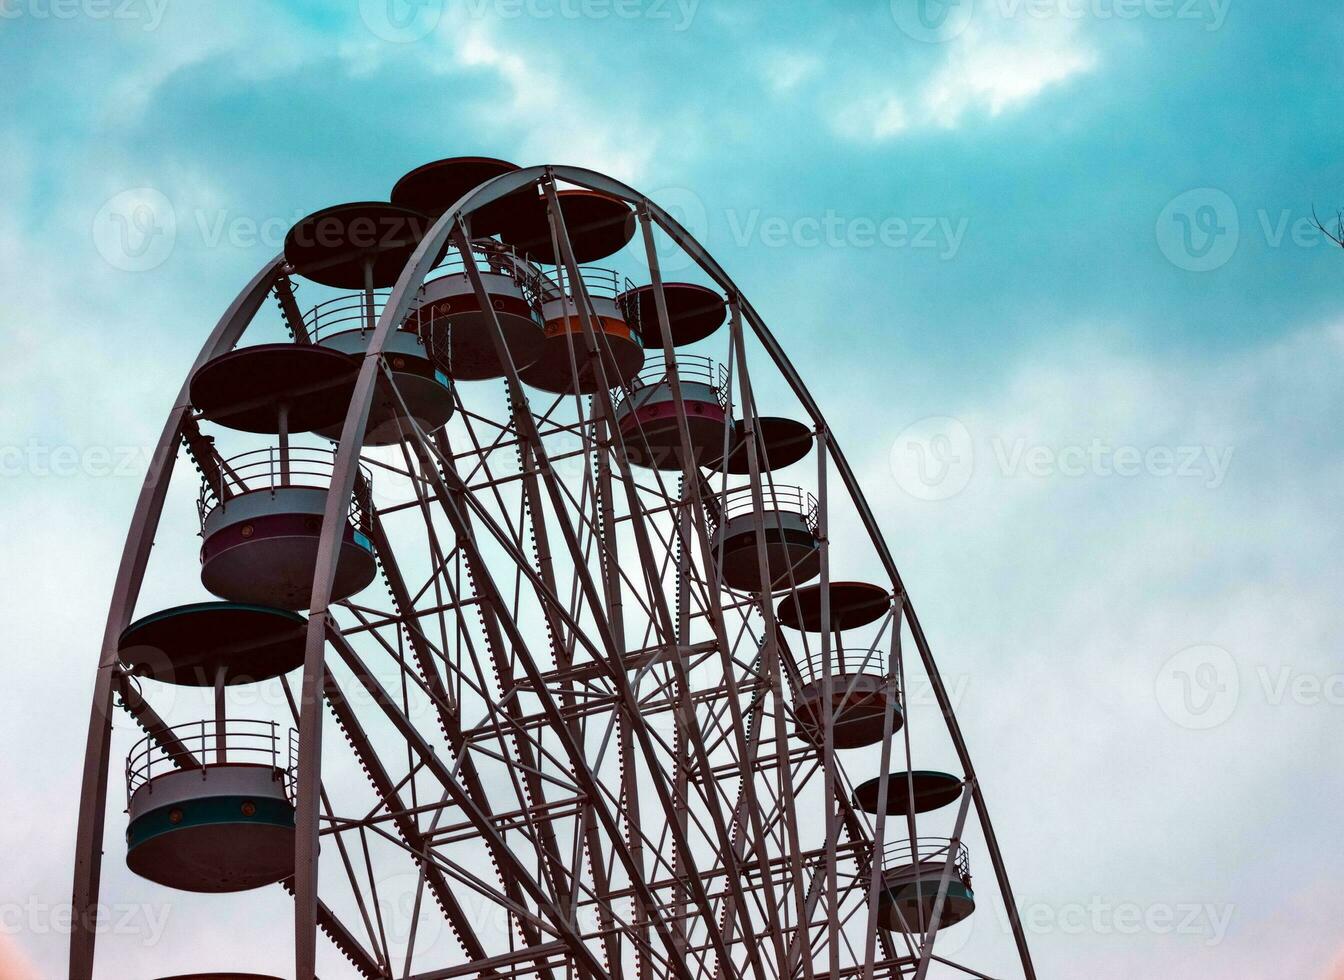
543,107
1071,585
786,69
998,64
993,71
1056,598
877,118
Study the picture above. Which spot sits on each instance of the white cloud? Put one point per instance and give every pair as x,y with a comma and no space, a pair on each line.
1061,597
996,65
996,70
552,118
878,117
785,69
152,58
1058,596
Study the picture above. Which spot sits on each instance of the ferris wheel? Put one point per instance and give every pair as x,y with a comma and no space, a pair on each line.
532,547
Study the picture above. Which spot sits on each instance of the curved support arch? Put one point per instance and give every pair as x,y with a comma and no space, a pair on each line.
344,470
344,473
507,183
130,575
152,495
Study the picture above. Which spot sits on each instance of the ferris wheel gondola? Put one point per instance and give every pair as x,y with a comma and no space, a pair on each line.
550,584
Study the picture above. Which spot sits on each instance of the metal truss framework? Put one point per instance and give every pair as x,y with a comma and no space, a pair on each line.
578,745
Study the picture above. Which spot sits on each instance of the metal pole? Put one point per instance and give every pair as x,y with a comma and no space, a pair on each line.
926,950
772,662
500,186
369,320
221,732
880,829
282,425
345,470
828,711
527,425
130,573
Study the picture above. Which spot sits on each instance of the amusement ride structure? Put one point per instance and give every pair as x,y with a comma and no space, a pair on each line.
504,525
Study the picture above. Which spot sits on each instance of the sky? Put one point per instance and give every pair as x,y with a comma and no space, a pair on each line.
1049,267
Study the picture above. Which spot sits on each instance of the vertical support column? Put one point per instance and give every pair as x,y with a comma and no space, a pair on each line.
883,788
611,583
92,813
828,712
681,774
370,321
949,865
130,574
282,425
307,783
869,522
772,666
664,617
221,728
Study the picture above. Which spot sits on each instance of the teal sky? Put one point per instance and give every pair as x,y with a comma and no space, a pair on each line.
1018,228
